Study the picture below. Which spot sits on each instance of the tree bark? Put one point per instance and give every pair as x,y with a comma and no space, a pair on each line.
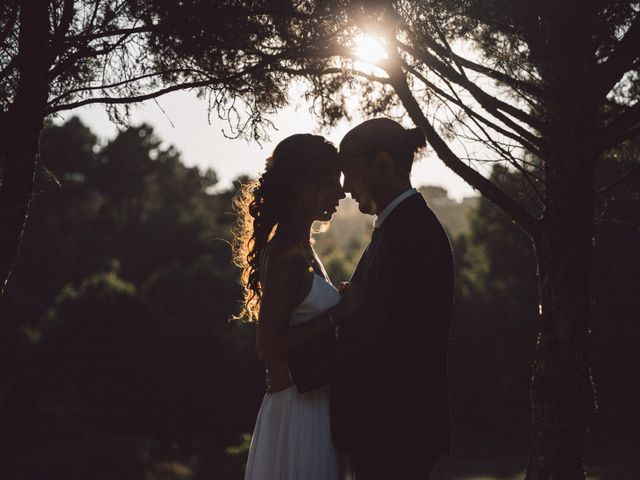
562,390
22,126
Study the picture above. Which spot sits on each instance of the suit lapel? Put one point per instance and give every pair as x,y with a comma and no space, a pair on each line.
397,215
367,257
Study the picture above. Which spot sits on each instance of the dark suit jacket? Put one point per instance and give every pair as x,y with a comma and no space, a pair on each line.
388,365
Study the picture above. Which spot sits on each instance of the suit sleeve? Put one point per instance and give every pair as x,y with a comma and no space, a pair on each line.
311,368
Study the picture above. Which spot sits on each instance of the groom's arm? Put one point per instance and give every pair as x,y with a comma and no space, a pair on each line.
314,366
311,368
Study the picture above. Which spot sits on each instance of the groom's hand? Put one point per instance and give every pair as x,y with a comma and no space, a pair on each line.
277,376
351,302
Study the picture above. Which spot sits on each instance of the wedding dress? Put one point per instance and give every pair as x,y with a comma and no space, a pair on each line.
292,436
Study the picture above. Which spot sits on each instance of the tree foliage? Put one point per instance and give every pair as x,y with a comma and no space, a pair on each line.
115,328
117,53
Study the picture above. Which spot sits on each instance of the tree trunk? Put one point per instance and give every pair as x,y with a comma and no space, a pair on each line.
562,391
21,131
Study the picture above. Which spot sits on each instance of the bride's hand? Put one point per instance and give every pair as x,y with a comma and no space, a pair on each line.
277,376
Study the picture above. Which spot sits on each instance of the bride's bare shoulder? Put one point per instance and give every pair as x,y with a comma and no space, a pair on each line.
282,257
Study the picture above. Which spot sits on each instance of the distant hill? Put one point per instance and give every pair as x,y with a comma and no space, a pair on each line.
453,215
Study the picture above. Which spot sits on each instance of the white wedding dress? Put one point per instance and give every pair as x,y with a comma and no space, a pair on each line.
292,436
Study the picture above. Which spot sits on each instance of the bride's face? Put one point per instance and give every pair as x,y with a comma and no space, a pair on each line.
320,197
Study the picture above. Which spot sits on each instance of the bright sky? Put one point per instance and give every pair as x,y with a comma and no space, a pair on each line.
184,125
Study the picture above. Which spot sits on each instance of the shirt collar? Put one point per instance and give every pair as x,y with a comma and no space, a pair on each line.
389,208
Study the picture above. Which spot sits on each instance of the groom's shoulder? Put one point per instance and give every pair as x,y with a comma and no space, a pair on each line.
417,223
414,214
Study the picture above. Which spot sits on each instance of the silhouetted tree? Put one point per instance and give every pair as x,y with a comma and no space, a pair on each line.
493,333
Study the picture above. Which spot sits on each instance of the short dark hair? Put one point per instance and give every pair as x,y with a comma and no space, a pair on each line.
384,135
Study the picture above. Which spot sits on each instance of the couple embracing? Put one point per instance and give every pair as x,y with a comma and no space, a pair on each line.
356,376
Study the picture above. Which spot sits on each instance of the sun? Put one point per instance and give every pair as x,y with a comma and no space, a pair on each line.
369,48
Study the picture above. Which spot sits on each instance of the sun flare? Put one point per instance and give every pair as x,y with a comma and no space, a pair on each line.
369,48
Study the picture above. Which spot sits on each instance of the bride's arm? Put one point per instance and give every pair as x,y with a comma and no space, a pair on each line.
286,280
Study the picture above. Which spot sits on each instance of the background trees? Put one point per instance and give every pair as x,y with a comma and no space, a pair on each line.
118,359
115,334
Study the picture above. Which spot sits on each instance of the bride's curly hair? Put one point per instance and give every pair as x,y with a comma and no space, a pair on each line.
262,204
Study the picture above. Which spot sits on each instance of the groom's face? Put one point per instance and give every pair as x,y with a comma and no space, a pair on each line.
358,182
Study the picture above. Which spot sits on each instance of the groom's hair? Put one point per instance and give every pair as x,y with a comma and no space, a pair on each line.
384,135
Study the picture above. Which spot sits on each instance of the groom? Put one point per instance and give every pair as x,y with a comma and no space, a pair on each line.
388,365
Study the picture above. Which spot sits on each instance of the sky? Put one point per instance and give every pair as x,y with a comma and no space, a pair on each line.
180,119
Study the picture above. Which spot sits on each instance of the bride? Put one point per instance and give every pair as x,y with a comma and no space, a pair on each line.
289,294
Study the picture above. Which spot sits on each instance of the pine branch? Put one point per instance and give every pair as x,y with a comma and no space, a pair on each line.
624,127
620,61
619,181
490,103
129,99
87,37
488,189
13,63
68,13
11,20
508,80
469,111
499,149
121,83
210,82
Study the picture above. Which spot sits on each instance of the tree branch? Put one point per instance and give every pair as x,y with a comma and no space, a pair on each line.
11,19
620,61
182,86
488,189
85,52
619,181
13,63
501,77
488,102
68,13
498,148
623,127
469,111
119,84
112,33
132,99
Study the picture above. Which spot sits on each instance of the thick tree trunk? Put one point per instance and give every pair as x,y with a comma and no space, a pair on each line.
562,391
21,131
